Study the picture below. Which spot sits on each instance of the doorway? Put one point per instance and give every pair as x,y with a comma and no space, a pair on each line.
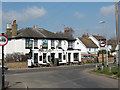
35,57
69,57
52,57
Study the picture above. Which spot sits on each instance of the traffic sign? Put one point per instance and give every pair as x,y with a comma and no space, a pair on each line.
3,40
102,43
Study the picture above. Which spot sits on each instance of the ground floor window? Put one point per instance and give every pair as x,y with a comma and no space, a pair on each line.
76,56
35,57
40,58
64,57
44,57
49,59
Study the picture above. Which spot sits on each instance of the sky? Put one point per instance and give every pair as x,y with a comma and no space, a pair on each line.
83,17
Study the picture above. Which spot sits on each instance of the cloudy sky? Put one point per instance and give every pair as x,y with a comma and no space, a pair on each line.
83,17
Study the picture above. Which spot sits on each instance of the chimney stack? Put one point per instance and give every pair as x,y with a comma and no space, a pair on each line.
14,28
35,26
8,29
66,29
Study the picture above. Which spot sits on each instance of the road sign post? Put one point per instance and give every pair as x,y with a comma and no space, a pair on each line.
3,42
102,44
0,79
3,79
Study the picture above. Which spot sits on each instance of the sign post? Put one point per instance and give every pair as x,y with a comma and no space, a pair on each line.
102,44
3,42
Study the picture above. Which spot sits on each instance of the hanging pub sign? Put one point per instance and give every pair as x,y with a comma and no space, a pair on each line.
30,44
3,40
102,43
44,43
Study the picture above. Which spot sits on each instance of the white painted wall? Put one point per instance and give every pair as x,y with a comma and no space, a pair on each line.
65,44
16,45
92,50
109,47
84,49
80,46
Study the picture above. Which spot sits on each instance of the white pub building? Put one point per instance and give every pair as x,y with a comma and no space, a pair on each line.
43,46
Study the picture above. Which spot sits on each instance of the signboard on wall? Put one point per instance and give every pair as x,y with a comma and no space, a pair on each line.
30,43
44,43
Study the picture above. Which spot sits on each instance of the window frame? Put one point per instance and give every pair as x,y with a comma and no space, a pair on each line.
36,46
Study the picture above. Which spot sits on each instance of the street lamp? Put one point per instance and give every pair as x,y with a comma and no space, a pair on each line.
102,22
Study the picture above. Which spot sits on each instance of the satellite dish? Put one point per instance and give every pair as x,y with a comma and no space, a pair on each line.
102,22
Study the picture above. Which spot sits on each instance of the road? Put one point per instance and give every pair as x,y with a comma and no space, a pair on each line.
60,77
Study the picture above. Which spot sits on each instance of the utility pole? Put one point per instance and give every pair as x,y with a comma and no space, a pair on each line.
117,30
107,52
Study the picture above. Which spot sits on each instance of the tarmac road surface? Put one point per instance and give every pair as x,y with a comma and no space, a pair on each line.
60,77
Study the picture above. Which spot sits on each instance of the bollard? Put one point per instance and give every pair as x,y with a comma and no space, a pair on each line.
102,68
96,67
109,69
0,79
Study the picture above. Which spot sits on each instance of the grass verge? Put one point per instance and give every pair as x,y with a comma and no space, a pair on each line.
114,71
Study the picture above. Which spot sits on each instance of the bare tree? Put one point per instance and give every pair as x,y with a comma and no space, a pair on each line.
68,32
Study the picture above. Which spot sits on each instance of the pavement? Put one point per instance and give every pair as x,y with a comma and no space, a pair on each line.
22,84
17,85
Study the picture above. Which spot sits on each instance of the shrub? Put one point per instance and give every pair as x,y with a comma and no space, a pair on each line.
16,57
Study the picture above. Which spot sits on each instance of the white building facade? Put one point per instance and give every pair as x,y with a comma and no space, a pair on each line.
43,46
86,46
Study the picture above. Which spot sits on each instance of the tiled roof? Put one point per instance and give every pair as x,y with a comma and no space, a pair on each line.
88,42
98,37
38,33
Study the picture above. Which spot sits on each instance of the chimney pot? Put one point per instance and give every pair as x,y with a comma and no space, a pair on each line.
35,26
14,22
8,29
9,26
66,28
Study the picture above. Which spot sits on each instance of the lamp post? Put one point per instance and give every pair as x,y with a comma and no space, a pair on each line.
106,44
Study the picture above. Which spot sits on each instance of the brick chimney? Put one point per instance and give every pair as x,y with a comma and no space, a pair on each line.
14,28
85,36
66,29
8,29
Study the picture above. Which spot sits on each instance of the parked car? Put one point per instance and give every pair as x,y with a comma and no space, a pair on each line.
5,67
87,56
90,56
